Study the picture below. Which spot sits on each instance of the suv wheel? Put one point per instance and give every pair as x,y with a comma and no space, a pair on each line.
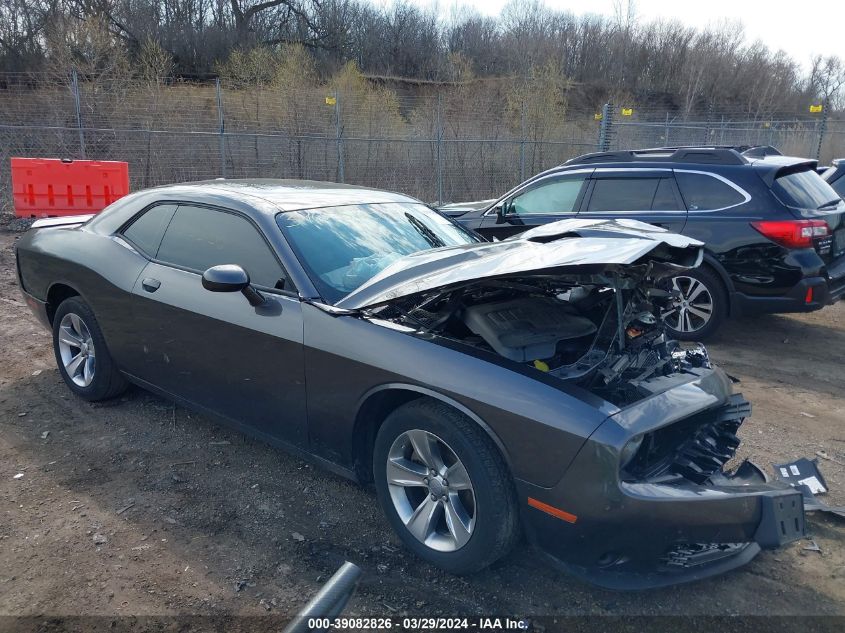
444,487
81,353
700,307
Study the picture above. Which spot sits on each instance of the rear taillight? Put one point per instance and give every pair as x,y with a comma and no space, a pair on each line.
793,233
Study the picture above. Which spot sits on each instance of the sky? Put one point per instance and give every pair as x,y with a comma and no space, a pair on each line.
801,29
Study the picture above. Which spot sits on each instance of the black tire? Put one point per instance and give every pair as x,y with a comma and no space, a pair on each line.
713,286
106,382
496,516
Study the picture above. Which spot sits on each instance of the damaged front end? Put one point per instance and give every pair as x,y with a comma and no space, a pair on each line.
649,498
656,498
581,304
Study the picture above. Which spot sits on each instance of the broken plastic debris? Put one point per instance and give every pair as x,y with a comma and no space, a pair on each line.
809,477
18,476
802,472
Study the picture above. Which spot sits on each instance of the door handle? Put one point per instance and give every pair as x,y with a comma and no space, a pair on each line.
150,285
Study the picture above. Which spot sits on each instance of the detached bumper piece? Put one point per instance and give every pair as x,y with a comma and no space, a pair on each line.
782,520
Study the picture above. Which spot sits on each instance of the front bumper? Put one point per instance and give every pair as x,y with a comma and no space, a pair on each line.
653,535
685,519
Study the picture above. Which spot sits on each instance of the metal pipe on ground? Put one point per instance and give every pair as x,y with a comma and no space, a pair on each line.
329,601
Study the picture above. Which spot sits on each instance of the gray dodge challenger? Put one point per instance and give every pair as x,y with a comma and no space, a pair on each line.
488,390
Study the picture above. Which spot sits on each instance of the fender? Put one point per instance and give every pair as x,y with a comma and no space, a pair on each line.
72,286
398,386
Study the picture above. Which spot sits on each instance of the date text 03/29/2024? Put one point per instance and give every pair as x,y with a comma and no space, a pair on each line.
421,624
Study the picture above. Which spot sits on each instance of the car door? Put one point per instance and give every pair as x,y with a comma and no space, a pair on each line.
646,195
215,349
547,199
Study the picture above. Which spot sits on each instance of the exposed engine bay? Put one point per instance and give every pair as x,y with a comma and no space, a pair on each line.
604,334
599,328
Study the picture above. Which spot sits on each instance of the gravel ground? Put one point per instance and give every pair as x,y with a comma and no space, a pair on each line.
137,507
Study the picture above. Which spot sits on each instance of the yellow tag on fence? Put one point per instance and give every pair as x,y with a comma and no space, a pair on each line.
818,107
627,111
331,100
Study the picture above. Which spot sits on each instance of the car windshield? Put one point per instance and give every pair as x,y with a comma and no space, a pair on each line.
343,247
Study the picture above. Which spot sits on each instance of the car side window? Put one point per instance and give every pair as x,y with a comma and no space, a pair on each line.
623,194
557,196
705,193
146,230
665,198
199,238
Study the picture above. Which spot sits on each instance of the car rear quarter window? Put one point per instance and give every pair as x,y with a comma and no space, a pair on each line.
703,192
199,238
558,196
146,230
804,189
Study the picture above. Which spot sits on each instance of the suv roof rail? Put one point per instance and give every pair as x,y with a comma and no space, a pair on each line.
713,155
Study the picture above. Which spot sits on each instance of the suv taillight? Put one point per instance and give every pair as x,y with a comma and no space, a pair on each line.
793,233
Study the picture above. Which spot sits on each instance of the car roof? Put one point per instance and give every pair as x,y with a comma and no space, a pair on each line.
282,194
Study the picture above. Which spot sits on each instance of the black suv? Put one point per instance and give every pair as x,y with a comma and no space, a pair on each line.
774,230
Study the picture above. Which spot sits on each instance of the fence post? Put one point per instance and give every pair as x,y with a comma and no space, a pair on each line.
338,137
439,149
822,128
606,127
222,127
522,143
708,124
78,107
666,131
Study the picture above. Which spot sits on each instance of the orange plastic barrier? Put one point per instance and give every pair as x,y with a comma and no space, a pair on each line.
44,187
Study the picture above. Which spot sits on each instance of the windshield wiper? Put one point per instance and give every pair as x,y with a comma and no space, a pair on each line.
428,235
832,203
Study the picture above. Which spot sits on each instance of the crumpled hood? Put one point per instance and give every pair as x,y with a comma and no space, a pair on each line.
567,244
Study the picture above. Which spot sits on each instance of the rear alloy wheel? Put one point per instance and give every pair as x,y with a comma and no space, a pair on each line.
81,353
444,487
699,307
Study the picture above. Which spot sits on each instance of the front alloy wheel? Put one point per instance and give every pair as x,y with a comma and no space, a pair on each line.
431,490
444,486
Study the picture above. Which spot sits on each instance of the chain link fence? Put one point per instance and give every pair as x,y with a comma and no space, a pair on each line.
448,146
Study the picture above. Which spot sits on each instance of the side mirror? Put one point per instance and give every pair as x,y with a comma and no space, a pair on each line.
231,278
500,213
